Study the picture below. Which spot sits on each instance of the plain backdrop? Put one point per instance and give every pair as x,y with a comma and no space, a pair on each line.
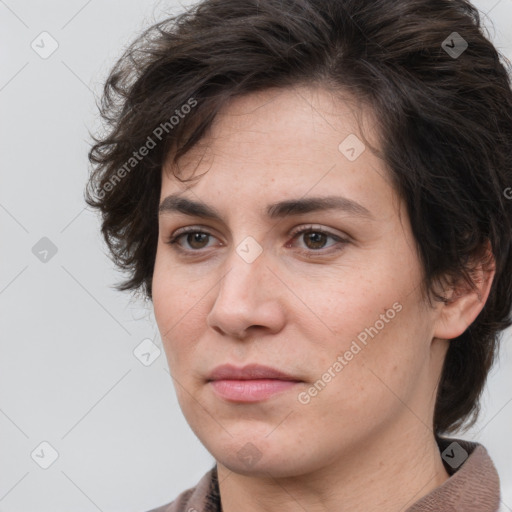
73,395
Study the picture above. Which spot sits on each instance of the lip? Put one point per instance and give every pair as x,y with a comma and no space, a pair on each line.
248,372
252,383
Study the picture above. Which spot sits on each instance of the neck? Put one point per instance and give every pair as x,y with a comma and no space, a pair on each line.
389,474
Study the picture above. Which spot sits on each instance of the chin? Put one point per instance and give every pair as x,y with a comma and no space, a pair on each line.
255,455
277,466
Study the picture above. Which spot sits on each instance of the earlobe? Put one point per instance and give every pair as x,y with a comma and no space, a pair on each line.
463,304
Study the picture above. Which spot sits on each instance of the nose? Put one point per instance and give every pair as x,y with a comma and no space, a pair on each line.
250,298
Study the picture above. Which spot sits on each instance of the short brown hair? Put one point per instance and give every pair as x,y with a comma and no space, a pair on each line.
444,112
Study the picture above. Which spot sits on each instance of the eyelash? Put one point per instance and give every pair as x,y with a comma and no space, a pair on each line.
173,240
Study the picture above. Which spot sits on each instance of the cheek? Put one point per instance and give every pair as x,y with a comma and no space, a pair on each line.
384,372
179,313
370,388
348,301
175,293
380,331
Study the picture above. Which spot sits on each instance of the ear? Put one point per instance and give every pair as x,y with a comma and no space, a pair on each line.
463,304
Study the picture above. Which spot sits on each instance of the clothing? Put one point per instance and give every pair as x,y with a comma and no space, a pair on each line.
473,485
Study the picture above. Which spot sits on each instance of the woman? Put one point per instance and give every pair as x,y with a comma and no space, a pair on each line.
313,195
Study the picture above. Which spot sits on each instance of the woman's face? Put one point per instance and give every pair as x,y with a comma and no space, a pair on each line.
329,296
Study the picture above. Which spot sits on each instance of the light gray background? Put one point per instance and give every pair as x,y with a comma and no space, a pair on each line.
68,375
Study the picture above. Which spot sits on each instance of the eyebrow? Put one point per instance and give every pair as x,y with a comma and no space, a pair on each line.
281,209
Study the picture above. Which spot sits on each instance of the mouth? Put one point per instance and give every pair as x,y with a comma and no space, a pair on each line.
252,383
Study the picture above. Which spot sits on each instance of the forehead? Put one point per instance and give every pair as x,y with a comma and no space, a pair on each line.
282,123
283,143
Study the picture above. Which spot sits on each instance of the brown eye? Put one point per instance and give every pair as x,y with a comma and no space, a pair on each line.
197,240
315,239
191,240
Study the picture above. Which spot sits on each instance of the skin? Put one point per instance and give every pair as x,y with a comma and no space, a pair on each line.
365,441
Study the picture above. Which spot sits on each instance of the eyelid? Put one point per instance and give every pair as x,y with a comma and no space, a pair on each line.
318,228
173,238
193,229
